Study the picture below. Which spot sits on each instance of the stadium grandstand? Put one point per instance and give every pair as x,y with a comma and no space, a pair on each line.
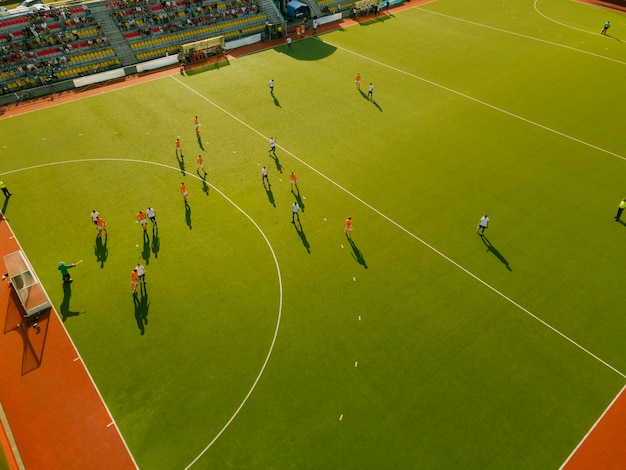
72,45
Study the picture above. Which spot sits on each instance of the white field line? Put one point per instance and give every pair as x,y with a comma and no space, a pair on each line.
280,292
483,103
79,357
592,428
559,23
525,36
393,222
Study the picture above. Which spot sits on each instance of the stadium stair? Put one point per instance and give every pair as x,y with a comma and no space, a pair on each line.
111,31
268,7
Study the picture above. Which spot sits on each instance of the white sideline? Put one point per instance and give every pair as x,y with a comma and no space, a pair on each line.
450,260
280,292
592,428
80,359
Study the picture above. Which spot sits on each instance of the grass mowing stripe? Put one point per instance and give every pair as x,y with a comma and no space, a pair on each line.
408,232
532,38
280,292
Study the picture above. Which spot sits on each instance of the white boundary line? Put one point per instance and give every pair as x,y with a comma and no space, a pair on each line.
558,22
79,358
393,222
592,428
280,293
525,36
483,103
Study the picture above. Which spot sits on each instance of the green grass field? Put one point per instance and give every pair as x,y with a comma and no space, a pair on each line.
423,345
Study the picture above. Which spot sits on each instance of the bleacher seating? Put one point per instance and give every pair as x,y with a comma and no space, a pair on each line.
39,48
154,30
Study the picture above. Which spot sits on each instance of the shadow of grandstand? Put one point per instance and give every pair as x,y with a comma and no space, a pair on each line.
309,48
379,18
33,331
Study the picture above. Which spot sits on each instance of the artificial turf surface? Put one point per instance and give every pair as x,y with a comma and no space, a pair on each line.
414,347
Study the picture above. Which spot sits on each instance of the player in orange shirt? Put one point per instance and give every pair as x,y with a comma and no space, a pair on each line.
179,148
357,80
141,218
134,276
196,124
347,228
183,191
292,180
102,227
200,165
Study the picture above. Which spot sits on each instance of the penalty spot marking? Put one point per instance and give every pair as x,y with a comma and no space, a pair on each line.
356,363
341,418
354,279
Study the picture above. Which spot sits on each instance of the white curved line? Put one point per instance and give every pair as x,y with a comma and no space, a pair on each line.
558,22
525,36
278,272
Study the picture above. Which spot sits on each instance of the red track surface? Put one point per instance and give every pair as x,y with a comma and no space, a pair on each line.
603,448
55,412
56,415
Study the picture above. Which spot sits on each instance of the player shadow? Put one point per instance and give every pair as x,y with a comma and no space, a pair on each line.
156,241
276,102
270,194
145,253
492,249
4,207
300,231
140,300
101,251
66,312
298,197
200,142
181,163
613,37
205,186
376,104
356,253
279,167
188,214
